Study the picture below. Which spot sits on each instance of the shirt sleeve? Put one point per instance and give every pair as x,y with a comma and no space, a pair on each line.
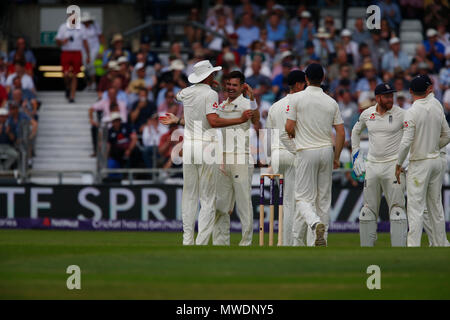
60,35
291,109
337,116
212,102
359,126
445,133
409,129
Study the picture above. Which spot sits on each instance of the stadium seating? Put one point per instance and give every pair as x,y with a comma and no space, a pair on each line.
411,25
337,23
409,48
411,37
356,12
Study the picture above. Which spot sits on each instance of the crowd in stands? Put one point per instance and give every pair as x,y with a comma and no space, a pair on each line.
18,104
265,41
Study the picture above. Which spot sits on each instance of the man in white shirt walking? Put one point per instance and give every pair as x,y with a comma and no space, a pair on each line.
283,158
72,39
200,104
311,117
426,131
384,122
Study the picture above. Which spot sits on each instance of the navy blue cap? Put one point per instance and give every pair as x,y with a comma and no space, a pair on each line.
427,79
419,84
314,71
384,88
295,76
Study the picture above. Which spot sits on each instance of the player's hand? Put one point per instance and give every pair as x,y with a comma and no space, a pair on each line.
336,163
248,91
170,118
398,171
359,166
215,84
247,114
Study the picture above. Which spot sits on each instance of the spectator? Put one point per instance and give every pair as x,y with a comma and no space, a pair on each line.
104,108
27,94
121,94
27,107
219,10
246,7
116,51
323,47
378,47
168,86
435,50
420,57
275,30
360,35
151,135
7,141
22,51
124,72
363,83
391,12
94,37
175,74
303,31
309,54
280,86
27,81
142,81
363,57
402,87
193,34
234,45
350,47
385,31
19,123
248,31
369,93
72,41
169,100
256,77
267,46
3,69
142,110
257,54
106,81
345,73
348,108
122,141
214,42
166,145
394,57
435,11
3,96
330,28
443,36
151,58
402,101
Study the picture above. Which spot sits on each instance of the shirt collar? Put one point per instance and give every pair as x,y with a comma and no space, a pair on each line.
387,111
313,89
235,101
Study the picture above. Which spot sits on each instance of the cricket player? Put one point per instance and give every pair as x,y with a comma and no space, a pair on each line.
426,131
443,155
200,103
311,117
235,175
384,122
283,158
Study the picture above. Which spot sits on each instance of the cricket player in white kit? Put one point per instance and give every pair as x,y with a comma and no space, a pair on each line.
235,174
384,122
426,131
199,176
283,158
311,118
443,155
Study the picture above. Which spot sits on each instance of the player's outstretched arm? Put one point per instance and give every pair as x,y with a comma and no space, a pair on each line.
217,122
170,118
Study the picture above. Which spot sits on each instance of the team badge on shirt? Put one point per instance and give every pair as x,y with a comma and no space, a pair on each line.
405,124
372,116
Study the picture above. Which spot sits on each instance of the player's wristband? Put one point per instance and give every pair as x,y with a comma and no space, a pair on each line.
253,105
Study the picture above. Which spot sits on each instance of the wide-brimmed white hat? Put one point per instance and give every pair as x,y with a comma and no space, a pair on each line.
431,32
176,64
202,70
322,33
394,40
86,16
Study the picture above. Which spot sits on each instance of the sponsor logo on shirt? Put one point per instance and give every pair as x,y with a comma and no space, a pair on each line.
215,105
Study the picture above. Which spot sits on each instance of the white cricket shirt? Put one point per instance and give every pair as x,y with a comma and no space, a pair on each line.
276,119
425,130
315,113
385,133
75,36
198,100
231,110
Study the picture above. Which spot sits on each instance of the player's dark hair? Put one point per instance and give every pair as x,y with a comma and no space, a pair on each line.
236,75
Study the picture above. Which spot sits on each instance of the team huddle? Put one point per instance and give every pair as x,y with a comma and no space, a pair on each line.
406,151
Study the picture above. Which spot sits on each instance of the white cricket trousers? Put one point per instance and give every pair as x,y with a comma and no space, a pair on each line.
380,176
426,217
234,185
423,183
313,180
199,183
283,162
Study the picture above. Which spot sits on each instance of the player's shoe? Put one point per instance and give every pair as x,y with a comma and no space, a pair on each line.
320,235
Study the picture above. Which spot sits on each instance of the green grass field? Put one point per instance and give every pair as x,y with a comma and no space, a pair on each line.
144,265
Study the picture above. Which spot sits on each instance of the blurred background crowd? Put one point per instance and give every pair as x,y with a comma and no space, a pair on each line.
265,40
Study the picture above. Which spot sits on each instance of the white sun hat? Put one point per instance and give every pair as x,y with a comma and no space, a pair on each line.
431,32
86,16
115,116
394,40
346,33
176,64
201,71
